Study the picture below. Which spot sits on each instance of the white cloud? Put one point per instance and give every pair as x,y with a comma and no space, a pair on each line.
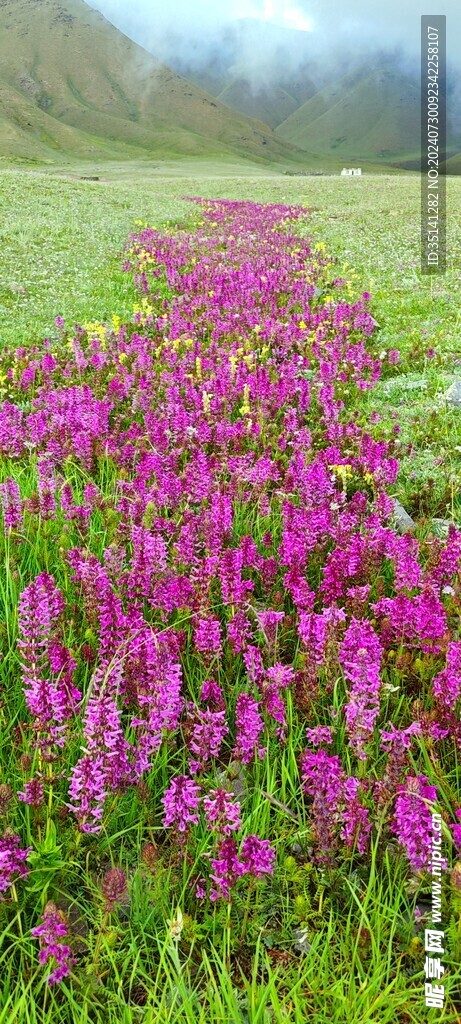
336,24
279,12
287,15
294,18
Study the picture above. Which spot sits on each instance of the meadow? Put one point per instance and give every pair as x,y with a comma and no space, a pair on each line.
230,688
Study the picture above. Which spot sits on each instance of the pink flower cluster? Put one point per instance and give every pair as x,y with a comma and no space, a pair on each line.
12,860
360,656
412,821
223,817
47,666
252,572
50,932
337,800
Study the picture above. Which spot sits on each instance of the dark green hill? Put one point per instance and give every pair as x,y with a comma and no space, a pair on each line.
366,115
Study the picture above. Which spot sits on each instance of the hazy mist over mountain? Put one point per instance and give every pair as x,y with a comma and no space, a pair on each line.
331,26
267,57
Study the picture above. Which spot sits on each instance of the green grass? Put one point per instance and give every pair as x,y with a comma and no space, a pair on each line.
61,242
373,226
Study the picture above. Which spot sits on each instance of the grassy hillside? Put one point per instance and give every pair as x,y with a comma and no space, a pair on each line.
71,82
271,104
372,116
453,165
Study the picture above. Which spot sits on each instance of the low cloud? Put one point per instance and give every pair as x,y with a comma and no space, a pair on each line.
194,35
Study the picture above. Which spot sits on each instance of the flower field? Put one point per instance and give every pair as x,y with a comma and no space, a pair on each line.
231,686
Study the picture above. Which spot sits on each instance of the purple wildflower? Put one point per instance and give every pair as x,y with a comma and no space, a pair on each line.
211,693
50,932
207,637
319,734
33,793
208,732
249,726
412,822
360,656
11,504
447,684
258,856
226,869
323,779
181,801
356,818
12,860
50,700
46,488
268,622
397,742
456,829
88,790
239,631
221,812
106,748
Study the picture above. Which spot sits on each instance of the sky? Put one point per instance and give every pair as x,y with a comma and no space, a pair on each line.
395,23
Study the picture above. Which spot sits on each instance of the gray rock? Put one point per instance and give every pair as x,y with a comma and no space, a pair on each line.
302,944
233,780
453,395
17,289
411,385
441,527
403,521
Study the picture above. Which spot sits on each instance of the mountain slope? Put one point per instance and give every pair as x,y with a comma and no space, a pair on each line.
350,102
256,68
369,114
71,82
270,104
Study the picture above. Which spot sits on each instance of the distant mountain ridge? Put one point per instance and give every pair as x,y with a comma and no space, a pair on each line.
349,105
374,115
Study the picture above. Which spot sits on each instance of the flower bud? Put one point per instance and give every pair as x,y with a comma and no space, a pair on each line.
455,877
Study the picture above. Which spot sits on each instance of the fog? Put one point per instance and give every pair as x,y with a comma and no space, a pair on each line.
356,24
284,37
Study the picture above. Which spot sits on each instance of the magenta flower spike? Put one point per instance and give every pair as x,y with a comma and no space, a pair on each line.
51,931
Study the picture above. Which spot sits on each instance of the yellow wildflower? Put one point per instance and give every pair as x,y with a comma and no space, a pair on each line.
245,407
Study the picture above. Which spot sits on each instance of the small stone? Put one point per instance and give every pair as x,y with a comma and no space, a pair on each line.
238,788
441,527
301,945
17,289
453,395
403,521
233,780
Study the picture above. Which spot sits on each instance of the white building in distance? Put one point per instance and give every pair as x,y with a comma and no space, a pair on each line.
351,170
